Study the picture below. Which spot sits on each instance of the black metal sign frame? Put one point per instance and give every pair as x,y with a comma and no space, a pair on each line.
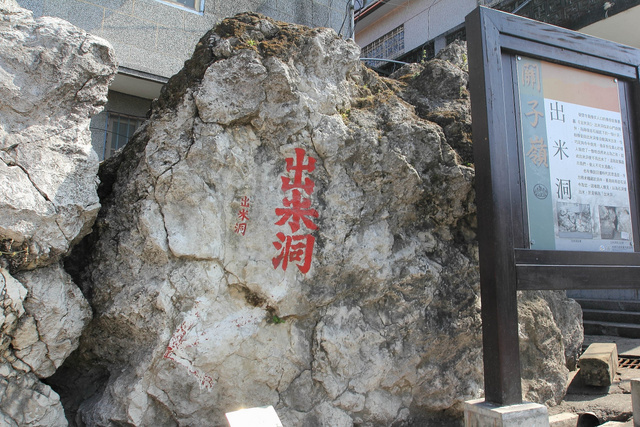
507,262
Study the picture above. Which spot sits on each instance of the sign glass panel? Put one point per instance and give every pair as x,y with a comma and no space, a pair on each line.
575,163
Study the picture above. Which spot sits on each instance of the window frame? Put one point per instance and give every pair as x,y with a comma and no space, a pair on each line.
381,47
113,119
199,9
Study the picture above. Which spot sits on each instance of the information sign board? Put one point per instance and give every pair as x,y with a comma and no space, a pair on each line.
574,159
555,125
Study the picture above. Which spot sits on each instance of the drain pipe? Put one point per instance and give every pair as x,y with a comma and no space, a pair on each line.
517,9
383,60
588,419
353,20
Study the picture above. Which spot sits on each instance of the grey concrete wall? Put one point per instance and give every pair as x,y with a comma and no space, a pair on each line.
156,38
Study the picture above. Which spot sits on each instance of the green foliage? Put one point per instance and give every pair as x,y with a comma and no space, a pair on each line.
276,320
423,58
272,317
16,255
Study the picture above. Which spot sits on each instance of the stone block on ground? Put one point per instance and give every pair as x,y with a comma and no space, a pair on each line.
478,413
599,364
635,400
566,419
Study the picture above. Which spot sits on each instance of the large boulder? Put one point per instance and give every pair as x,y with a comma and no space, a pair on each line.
42,316
53,77
285,230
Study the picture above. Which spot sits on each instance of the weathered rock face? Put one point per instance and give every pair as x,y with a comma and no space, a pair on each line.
438,90
53,77
285,231
567,314
548,343
550,330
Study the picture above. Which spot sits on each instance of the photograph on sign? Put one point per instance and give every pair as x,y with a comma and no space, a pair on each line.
575,164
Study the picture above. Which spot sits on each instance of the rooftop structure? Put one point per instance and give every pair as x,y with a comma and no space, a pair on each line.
414,30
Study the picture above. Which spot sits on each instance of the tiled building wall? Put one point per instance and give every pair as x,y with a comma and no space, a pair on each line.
156,38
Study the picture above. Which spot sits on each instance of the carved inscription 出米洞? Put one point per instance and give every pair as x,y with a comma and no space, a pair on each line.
297,213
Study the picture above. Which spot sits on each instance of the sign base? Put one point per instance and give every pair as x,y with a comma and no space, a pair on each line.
478,413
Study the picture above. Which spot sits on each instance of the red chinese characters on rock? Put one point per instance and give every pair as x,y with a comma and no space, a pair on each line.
297,208
181,341
243,216
296,248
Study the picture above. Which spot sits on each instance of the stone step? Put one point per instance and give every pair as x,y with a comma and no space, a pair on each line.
566,419
616,305
595,327
614,316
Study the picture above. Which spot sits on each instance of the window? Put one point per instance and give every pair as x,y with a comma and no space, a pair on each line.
120,128
194,5
459,34
389,46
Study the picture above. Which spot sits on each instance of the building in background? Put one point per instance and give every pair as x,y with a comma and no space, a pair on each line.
153,38
409,30
414,30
